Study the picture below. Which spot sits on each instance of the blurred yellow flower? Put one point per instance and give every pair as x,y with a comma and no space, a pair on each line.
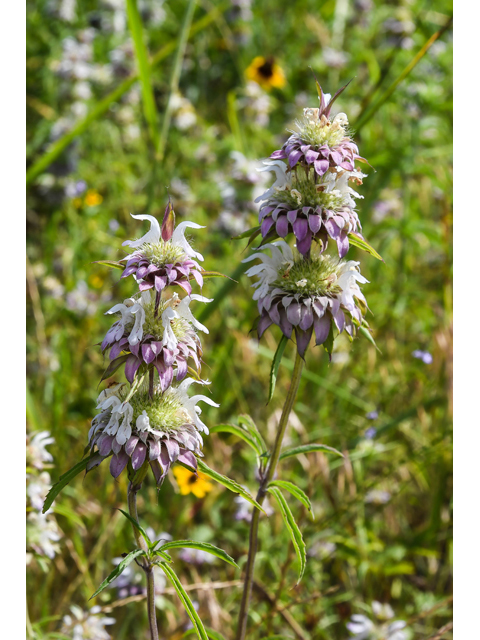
92,198
188,482
77,203
266,73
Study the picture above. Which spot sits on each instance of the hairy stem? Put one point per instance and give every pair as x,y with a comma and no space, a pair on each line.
262,491
147,567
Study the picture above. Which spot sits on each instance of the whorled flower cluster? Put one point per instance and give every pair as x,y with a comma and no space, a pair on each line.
306,295
306,291
160,428
153,422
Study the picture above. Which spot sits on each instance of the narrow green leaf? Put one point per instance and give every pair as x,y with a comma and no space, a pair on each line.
248,422
202,546
294,490
308,448
277,358
295,533
239,432
187,603
110,263
212,634
247,233
118,570
143,64
361,243
64,480
228,483
214,274
62,510
113,366
138,527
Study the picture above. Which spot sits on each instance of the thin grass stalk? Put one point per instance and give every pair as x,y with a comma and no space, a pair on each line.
262,492
175,78
144,68
365,117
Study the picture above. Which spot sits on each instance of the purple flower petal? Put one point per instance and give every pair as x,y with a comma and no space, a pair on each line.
311,156
160,283
303,340
118,463
342,244
314,222
131,367
321,166
307,318
294,313
282,226
138,456
294,157
130,445
187,457
172,448
147,353
284,324
267,224
154,449
278,155
322,328
300,228
304,245
263,324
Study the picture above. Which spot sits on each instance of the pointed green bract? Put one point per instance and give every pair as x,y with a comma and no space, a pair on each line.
118,570
138,527
249,424
187,603
113,366
201,546
293,529
110,263
356,241
212,634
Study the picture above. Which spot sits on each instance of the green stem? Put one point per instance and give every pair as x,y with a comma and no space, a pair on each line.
262,491
147,567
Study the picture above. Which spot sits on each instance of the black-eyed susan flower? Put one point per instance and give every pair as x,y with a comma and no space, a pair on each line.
188,482
93,198
266,72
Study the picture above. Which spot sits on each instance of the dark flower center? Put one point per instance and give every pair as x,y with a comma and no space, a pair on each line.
266,69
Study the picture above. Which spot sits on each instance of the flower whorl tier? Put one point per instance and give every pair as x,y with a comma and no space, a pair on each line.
163,256
319,141
310,209
306,295
162,430
163,334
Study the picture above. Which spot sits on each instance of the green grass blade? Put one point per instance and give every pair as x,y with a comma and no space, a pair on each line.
277,358
175,77
187,603
308,448
293,529
103,106
202,546
212,634
143,64
294,490
118,570
239,432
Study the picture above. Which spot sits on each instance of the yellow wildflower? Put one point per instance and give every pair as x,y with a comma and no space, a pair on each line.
188,482
92,198
266,73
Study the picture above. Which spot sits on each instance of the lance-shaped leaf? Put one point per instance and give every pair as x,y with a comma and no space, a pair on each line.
249,424
130,557
212,634
308,448
138,527
356,241
294,531
110,263
64,480
113,366
295,491
240,432
364,331
330,104
226,482
249,233
275,365
187,603
201,546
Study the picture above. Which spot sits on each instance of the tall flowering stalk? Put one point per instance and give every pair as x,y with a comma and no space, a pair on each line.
301,289
152,422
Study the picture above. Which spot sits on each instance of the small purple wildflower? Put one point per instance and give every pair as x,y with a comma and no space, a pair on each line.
424,356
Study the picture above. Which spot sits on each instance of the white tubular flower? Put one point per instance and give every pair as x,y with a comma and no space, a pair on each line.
137,332
348,276
178,238
283,179
169,338
281,258
151,237
183,310
125,309
37,454
190,403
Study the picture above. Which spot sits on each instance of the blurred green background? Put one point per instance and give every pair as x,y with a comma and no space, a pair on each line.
382,528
